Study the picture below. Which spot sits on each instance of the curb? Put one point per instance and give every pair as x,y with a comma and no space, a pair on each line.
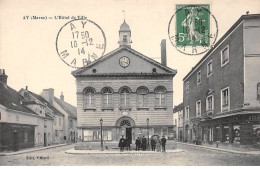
225,150
83,152
32,150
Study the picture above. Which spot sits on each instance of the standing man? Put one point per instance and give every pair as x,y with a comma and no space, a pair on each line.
163,142
138,143
144,143
122,143
153,144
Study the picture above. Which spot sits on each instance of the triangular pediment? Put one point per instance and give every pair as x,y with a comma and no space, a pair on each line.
124,60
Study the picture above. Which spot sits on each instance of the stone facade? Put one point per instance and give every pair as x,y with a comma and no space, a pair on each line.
124,96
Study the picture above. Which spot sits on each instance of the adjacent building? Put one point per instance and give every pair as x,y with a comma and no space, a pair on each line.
178,118
23,123
57,127
127,92
67,124
221,94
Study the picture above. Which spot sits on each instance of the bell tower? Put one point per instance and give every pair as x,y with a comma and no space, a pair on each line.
125,35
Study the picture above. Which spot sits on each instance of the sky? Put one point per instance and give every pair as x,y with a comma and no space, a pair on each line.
28,51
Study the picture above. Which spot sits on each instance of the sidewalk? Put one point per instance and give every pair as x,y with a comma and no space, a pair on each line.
30,150
73,151
221,149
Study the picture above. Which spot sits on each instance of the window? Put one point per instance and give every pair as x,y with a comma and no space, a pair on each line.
236,134
187,87
225,56
56,133
175,122
226,134
45,123
89,102
26,138
187,113
160,96
107,97
71,124
125,97
258,91
198,108
59,121
209,103
209,68
225,100
211,136
124,38
198,78
256,134
55,120
142,93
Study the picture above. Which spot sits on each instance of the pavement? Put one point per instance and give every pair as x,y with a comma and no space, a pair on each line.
223,150
30,150
111,151
73,151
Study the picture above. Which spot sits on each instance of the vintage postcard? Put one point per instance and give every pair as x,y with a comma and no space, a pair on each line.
129,83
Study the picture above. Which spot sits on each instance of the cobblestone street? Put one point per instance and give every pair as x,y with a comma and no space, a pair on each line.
190,156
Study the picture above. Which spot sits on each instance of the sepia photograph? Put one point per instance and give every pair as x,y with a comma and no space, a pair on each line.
129,83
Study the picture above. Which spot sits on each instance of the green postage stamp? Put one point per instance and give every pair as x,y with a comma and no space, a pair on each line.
192,24
193,29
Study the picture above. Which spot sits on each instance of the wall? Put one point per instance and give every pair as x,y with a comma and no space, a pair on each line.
157,117
221,77
252,62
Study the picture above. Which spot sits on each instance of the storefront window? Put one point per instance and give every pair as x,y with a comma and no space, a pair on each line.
236,134
218,133
226,134
88,135
256,134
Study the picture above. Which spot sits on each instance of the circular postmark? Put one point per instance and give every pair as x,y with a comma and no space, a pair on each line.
193,29
80,42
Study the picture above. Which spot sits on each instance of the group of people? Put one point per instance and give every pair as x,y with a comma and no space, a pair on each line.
141,143
158,144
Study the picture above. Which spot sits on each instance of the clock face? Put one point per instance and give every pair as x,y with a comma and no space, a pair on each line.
124,61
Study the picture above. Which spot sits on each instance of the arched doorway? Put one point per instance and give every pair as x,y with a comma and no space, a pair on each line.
187,132
125,127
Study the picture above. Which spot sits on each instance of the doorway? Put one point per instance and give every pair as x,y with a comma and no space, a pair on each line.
16,145
45,140
129,134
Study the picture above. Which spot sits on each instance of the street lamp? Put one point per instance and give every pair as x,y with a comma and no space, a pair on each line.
101,122
147,121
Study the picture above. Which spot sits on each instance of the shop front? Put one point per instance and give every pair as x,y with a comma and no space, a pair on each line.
16,136
239,131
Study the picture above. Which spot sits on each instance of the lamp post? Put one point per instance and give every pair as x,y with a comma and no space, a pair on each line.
101,122
147,121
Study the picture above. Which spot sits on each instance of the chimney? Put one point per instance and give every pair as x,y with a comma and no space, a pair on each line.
48,94
3,77
62,96
163,52
26,88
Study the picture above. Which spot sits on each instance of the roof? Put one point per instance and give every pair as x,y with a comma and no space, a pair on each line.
242,18
112,53
178,108
124,27
11,99
71,110
55,111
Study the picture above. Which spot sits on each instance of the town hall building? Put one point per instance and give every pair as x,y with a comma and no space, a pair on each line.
130,93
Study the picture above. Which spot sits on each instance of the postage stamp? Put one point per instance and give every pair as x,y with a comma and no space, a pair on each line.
80,42
193,29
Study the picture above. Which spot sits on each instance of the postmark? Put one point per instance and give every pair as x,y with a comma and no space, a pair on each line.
80,42
193,29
